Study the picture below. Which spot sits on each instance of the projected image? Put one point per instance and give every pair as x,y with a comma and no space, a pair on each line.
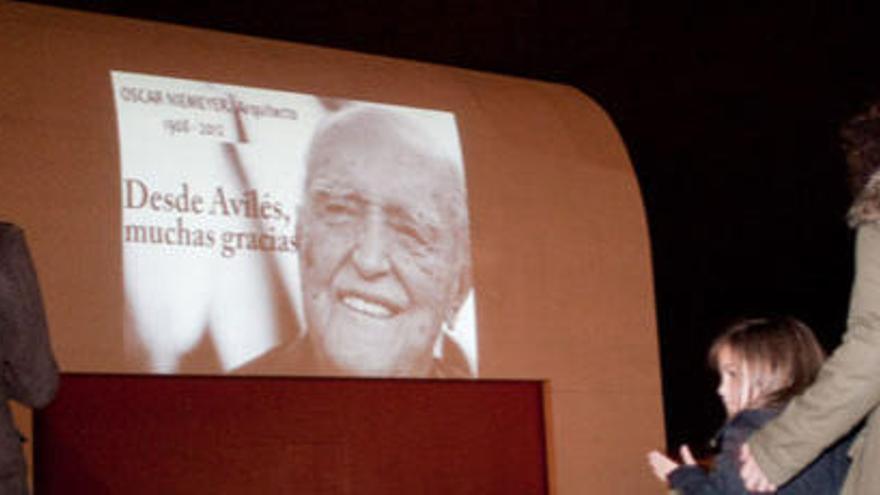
269,232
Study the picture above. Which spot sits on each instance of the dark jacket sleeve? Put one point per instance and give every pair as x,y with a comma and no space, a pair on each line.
724,478
29,371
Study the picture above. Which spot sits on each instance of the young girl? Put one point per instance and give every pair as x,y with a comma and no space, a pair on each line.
762,363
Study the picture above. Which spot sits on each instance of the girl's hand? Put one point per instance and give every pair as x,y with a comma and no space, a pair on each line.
686,456
663,465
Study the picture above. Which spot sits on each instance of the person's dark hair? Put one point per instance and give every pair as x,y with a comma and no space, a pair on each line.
778,357
860,139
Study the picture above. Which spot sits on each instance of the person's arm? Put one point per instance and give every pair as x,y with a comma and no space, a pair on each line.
29,372
848,386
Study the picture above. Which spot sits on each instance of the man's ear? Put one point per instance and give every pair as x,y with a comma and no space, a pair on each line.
458,292
298,227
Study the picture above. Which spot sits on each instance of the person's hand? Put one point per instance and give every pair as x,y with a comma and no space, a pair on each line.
753,477
663,465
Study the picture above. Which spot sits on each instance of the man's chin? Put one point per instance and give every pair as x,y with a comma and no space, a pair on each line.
355,367
358,345
366,365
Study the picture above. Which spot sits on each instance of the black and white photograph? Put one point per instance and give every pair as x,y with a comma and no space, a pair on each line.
285,233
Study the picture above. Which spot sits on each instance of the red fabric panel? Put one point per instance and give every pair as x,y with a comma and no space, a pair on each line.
111,434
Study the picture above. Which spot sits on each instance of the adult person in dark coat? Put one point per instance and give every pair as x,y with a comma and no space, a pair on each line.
29,373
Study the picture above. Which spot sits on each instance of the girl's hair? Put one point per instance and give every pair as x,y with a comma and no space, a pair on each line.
777,358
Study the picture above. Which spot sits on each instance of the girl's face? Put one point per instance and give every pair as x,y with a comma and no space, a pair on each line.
730,387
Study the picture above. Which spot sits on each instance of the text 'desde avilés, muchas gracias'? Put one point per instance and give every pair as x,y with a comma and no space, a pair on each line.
218,219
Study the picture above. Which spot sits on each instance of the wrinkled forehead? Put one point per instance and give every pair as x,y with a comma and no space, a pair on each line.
365,129
384,157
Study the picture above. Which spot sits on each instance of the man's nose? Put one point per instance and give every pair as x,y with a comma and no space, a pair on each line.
370,255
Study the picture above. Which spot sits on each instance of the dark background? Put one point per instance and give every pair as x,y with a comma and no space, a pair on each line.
730,115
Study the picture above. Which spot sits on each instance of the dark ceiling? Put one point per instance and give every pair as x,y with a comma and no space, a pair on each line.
729,113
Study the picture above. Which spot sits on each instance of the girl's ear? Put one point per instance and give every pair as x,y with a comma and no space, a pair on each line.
746,390
756,383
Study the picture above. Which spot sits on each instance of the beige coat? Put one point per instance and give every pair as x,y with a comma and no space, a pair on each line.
846,391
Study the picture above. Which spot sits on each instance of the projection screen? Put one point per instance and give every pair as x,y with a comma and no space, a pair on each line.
213,183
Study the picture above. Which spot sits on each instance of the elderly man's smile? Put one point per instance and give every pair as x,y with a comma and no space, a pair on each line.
368,305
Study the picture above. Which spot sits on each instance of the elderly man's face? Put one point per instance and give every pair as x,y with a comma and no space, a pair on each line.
380,261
